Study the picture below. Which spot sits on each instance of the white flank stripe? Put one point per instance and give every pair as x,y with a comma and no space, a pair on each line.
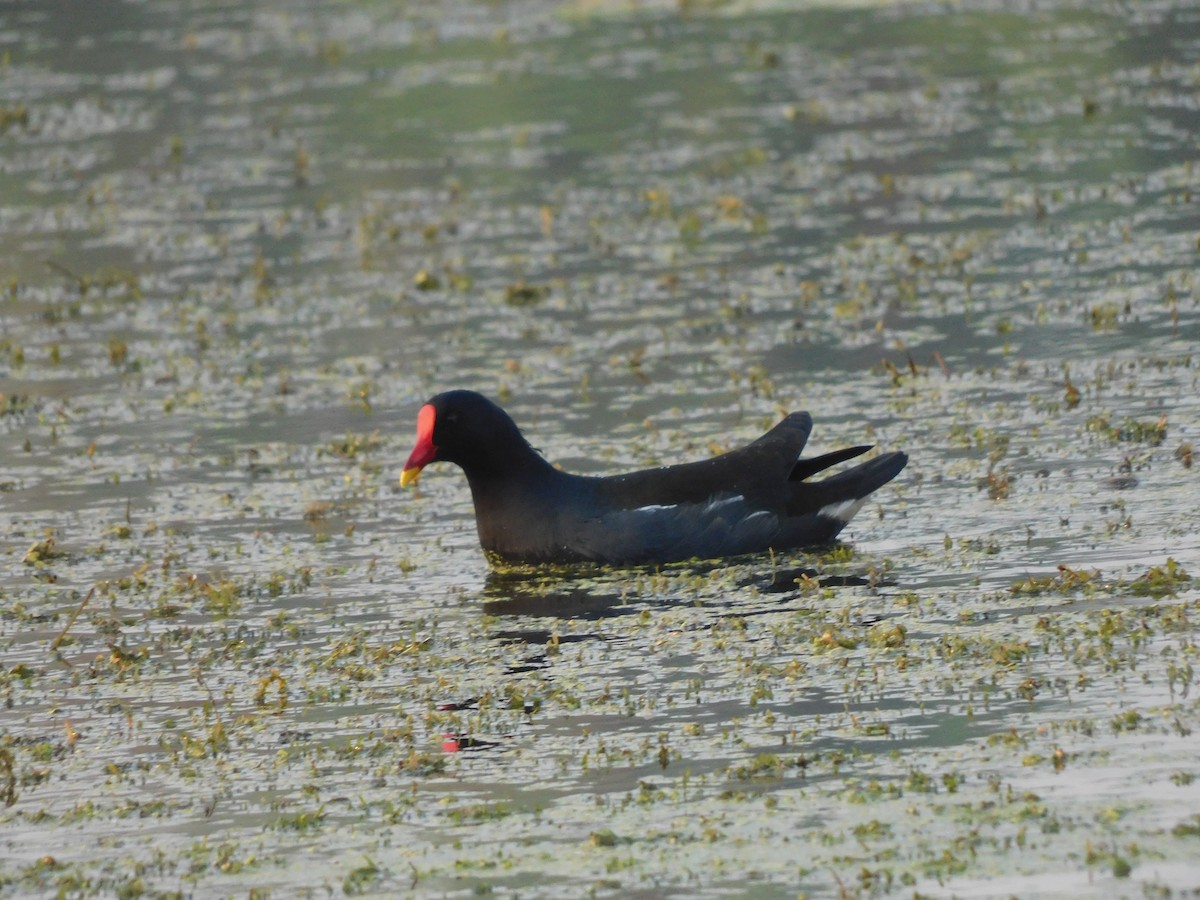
655,508
843,511
714,505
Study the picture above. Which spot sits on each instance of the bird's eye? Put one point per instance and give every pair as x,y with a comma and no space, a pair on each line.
452,418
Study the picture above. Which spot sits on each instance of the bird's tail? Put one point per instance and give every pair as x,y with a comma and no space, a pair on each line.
840,495
805,468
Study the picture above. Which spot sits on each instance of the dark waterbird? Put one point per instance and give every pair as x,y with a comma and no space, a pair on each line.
749,500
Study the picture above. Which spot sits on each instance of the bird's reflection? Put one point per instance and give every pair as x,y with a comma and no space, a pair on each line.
557,595
785,581
523,599
598,593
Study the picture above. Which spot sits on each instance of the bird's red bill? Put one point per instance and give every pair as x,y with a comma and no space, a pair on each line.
424,452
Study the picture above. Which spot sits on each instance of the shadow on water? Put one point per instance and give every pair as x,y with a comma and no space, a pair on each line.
531,594
590,594
784,581
583,592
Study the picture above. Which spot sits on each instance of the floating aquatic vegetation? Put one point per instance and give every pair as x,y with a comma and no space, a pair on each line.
239,638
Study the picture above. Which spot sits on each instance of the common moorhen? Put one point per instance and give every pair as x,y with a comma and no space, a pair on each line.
745,501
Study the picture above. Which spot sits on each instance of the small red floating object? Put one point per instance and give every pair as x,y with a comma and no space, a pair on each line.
455,743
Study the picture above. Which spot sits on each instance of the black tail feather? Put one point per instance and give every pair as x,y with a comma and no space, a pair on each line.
849,485
805,468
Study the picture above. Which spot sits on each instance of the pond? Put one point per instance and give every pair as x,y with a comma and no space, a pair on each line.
241,244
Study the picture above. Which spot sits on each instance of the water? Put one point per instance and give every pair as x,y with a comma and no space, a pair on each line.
240,245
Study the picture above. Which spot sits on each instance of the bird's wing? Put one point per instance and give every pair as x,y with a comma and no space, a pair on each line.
754,471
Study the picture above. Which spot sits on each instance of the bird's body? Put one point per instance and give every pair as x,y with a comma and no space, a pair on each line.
749,500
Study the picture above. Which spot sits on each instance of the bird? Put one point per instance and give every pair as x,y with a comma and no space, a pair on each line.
753,499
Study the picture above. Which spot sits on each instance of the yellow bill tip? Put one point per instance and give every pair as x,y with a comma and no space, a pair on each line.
409,476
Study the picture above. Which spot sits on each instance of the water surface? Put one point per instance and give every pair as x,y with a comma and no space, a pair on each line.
240,244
